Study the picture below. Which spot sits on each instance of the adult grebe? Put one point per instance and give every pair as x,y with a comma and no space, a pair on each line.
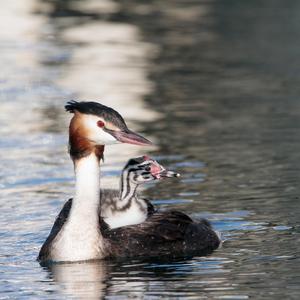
92,126
79,234
128,208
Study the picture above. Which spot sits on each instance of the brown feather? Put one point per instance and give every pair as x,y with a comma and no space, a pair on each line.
79,145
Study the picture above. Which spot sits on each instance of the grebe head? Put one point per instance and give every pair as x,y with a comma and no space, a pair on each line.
95,125
103,125
145,169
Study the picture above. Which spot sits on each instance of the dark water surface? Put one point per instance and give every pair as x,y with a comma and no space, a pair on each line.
216,84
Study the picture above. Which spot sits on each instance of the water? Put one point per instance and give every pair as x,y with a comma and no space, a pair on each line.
214,83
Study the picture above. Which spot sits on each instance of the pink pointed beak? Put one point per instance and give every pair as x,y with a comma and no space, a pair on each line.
130,137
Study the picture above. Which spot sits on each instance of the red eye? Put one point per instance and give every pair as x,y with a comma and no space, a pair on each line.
100,124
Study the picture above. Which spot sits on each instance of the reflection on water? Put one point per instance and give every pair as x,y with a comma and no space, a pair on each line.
214,83
96,279
83,281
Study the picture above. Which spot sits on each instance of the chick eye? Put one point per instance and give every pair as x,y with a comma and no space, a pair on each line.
100,124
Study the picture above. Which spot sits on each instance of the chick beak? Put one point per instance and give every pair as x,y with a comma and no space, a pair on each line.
160,172
168,174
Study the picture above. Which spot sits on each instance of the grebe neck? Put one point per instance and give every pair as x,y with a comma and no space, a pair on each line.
80,238
87,186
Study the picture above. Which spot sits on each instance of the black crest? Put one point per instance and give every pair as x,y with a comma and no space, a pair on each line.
95,108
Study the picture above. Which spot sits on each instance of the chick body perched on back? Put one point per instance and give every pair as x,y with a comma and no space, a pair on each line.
127,208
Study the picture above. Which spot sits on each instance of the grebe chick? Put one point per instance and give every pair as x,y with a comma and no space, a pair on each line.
129,208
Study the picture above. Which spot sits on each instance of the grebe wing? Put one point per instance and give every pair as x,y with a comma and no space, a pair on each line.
169,233
57,226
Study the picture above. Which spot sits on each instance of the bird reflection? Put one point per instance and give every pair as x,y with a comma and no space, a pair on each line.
81,280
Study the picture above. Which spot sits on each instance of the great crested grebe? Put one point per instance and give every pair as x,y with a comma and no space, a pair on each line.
80,234
128,208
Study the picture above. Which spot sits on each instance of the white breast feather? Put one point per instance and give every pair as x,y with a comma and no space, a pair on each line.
131,216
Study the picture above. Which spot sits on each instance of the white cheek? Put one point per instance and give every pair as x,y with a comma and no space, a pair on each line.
102,137
96,134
